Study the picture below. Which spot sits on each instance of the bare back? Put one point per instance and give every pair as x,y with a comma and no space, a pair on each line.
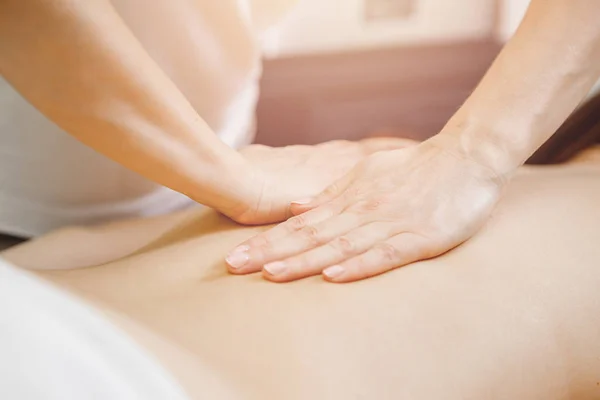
512,314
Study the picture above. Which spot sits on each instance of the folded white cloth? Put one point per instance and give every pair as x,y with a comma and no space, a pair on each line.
53,346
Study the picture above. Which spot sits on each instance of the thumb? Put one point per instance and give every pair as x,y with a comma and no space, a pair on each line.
330,193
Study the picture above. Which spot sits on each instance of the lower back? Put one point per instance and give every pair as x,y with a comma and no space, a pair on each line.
510,314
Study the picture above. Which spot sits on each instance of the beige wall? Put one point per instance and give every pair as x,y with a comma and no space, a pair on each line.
316,26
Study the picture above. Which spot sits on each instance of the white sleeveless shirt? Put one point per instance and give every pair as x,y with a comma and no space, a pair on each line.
208,48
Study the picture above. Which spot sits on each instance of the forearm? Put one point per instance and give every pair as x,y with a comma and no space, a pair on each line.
538,79
78,63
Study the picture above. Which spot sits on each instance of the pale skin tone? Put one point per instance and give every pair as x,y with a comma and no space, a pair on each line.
79,64
406,205
511,314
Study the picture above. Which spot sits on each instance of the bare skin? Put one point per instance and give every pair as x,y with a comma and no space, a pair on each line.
511,314
79,64
379,216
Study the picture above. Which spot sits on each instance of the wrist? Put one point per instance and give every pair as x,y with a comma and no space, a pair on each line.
226,184
483,144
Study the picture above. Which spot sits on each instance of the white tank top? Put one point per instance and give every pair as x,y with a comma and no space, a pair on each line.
209,50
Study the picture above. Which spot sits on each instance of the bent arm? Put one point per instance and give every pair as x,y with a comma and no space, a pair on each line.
538,79
78,63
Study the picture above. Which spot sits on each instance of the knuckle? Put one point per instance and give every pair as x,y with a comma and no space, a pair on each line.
363,207
382,203
331,189
388,252
372,205
344,246
296,223
312,234
264,249
369,205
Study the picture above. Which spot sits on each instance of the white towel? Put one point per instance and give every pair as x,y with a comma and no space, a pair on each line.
53,346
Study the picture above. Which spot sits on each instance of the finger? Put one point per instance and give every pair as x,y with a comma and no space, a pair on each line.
329,194
333,252
397,251
307,238
375,144
241,259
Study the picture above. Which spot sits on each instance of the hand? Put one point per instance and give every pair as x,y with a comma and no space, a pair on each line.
394,208
285,174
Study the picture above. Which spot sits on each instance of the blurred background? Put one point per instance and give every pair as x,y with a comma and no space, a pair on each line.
347,69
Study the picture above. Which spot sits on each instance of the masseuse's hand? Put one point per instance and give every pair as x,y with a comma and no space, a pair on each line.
394,208
284,174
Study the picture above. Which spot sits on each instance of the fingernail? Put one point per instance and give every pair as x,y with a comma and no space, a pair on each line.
301,202
333,272
275,268
237,259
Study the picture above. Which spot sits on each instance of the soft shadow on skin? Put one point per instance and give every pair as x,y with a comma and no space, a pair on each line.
210,222
218,271
193,231
85,247
205,222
